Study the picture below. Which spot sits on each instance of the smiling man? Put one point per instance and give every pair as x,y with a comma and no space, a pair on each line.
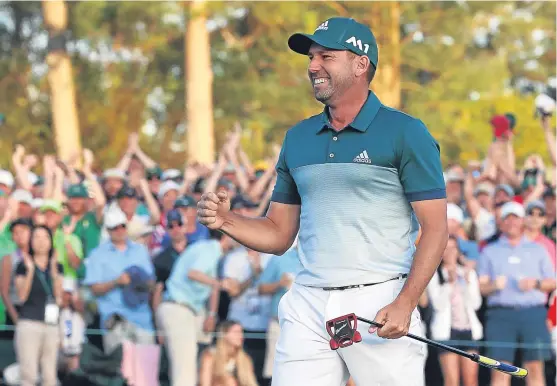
357,181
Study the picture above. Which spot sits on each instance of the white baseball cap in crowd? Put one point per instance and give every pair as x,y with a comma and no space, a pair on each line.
22,195
170,174
514,208
6,178
37,203
69,284
484,187
32,178
114,218
455,213
166,187
114,173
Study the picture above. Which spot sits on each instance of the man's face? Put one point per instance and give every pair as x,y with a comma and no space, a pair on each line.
512,225
118,234
331,72
128,205
535,220
189,214
52,219
454,192
485,200
113,185
501,196
20,236
77,205
176,230
154,184
168,200
24,210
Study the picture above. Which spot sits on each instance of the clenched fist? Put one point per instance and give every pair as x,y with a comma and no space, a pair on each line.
212,208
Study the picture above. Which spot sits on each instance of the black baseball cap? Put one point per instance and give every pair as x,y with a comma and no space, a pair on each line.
174,216
339,33
127,191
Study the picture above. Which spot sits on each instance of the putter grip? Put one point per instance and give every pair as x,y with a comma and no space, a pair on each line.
503,367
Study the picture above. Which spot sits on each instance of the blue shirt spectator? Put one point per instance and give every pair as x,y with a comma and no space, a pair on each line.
203,256
526,260
201,233
287,264
106,263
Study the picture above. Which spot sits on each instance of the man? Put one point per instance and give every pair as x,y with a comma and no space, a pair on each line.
455,221
186,205
356,180
550,218
276,280
533,225
190,285
110,273
164,261
515,275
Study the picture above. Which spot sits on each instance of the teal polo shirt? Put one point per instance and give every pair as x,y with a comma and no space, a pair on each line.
355,187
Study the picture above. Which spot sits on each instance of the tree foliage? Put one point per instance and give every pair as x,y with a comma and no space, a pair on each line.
460,63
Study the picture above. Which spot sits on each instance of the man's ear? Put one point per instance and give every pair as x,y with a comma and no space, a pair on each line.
362,64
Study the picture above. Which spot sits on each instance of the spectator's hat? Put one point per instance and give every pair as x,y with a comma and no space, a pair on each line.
69,284
505,188
226,184
137,229
485,188
37,203
512,120
21,221
137,292
51,205
501,125
453,176
77,191
242,202
171,174
115,218
513,208
6,178
154,172
229,168
455,213
128,192
166,187
114,173
185,202
174,216
536,204
338,33
23,196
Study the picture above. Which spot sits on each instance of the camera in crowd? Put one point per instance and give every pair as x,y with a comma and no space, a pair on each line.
545,102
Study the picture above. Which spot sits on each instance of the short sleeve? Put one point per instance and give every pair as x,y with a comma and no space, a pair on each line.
21,269
547,270
269,274
484,266
285,191
93,269
235,266
420,170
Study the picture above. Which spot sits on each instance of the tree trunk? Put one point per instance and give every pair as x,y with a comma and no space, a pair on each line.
60,80
199,86
385,23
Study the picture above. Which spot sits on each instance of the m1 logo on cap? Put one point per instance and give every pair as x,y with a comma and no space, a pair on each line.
323,26
358,43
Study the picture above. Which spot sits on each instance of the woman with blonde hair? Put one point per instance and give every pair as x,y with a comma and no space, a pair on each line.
226,363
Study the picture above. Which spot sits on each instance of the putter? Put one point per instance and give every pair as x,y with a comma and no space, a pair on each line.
343,333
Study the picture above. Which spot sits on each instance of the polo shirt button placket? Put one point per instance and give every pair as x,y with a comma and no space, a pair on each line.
332,155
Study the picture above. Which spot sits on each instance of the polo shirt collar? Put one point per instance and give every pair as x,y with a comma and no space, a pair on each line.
505,240
363,119
113,247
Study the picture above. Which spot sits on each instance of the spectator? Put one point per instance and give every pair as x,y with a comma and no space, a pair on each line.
454,179
113,182
6,213
194,231
68,247
153,176
191,283
550,218
454,293
533,225
72,328
120,275
39,287
455,220
24,199
515,275
21,232
276,280
479,203
226,364
168,193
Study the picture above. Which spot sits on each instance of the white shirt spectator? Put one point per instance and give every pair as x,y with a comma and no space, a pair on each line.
485,224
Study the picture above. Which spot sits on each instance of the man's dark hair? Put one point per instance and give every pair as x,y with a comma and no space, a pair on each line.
371,72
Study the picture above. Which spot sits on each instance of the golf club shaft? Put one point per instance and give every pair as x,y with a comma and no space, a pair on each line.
480,359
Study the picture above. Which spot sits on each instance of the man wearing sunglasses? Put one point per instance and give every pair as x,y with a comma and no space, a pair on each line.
533,225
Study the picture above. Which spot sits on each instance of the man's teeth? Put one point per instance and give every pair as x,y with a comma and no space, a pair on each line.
319,80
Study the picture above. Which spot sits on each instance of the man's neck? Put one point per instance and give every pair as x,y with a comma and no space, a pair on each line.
514,240
532,234
121,245
179,246
343,111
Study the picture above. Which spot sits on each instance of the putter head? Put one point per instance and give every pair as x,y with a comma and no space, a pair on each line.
343,331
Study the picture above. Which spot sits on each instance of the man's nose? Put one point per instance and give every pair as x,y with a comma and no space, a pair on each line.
314,66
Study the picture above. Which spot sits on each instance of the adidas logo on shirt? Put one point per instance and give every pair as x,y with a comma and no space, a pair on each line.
362,158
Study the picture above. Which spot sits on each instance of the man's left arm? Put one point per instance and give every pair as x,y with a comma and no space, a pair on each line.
421,176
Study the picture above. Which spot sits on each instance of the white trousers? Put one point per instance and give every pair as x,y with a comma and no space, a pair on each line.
303,355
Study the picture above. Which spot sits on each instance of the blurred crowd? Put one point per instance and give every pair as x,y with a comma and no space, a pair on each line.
111,267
